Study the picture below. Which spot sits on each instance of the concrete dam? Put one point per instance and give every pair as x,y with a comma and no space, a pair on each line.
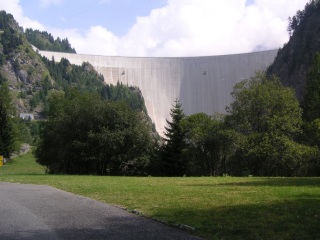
202,84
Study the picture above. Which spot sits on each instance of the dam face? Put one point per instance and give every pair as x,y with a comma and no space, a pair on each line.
202,84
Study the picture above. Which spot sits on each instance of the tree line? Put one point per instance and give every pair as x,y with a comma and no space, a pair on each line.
266,132
301,17
45,41
86,79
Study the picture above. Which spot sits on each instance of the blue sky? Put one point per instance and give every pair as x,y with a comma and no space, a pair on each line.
115,15
160,27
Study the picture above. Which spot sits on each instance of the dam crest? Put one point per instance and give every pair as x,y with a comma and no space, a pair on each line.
202,84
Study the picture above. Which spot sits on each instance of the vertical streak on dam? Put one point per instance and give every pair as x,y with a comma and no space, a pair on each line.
202,84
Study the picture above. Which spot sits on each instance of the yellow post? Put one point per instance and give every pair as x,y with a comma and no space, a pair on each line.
1,161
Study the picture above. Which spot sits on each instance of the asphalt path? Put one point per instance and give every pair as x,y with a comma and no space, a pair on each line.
41,212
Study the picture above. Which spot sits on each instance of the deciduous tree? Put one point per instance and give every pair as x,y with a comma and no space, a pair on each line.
268,115
88,135
209,144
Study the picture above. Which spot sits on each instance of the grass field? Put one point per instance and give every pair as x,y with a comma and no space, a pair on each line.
219,208
24,164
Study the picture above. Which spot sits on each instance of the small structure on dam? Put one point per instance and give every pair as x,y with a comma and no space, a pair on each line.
202,84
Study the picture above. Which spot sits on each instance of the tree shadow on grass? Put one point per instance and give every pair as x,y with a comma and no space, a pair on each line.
297,219
277,182
280,182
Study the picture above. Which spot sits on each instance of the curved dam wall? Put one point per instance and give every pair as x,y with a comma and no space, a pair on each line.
202,84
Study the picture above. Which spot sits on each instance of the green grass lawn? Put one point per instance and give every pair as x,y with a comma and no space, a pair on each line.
219,208
24,164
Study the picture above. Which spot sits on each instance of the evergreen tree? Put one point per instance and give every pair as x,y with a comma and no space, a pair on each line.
311,112
45,41
311,101
6,127
173,163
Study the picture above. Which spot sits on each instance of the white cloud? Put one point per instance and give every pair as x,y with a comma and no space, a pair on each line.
97,40
48,3
13,7
188,28
206,27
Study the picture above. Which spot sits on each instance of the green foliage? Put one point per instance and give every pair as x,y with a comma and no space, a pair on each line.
259,136
172,160
311,113
269,118
10,38
293,61
210,144
27,131
86,79
45,41
67,75
7,133
39,80
276,155
311,101
24,133
120,92
265,106
88,135
22,164
302,16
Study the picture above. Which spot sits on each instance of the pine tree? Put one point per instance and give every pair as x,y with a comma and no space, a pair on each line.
6,128
311,101
173,164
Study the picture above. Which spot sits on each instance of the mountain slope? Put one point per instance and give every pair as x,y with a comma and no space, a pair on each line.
31,77
20,66
294,60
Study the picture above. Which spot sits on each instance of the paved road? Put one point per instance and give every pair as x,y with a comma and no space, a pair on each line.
42,212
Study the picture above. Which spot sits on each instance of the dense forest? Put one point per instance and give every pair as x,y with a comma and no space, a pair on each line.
45,41
264,133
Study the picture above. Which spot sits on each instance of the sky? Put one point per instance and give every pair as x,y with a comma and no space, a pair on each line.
160,28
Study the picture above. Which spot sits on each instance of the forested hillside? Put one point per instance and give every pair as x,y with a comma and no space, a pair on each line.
29,83
31,77
45,41
295,58
20,67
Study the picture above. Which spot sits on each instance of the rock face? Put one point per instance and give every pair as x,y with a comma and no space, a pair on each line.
23,76
202,84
